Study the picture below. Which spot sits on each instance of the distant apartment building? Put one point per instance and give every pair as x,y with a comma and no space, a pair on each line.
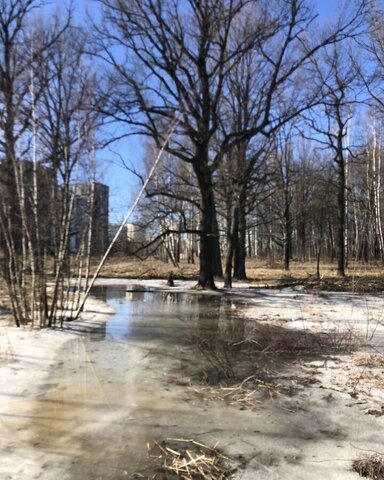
121,243
136,237
131,239
89,217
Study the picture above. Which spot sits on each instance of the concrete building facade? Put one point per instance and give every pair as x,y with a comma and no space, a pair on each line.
90,211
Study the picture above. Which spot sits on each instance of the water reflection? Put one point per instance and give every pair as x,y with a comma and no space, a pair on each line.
173,317
124,385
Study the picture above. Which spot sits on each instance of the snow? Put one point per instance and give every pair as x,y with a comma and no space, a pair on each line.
315,434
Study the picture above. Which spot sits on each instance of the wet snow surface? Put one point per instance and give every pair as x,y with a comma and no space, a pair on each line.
85,402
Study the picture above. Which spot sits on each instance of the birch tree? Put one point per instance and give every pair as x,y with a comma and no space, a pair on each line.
22,46
338,75
39,90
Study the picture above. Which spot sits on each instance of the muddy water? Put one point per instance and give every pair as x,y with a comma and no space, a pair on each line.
125,383
119,385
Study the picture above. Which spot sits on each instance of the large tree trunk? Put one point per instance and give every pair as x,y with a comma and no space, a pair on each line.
209,239
207,247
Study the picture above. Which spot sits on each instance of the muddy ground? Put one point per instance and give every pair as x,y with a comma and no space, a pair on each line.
88,401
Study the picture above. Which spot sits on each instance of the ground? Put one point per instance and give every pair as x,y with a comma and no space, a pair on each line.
301,416
360,277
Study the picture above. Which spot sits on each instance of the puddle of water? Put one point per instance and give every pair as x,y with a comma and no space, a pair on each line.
123,385
170,316
115,390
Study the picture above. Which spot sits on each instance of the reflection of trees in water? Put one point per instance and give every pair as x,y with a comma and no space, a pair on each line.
98,333
233,324
171,297
219,338
218,321
108,292
135,295
208,315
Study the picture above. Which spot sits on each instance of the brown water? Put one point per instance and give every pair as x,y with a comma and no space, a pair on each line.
118,386
125,383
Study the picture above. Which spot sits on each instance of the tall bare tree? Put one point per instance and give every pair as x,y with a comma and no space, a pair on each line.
23,44
67,121
170,62
45,128
338,75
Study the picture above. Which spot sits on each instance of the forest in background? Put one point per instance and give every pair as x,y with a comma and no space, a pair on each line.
270,119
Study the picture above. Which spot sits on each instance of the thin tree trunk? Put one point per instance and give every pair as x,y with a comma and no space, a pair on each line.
288,229
341,219
240,268
231,240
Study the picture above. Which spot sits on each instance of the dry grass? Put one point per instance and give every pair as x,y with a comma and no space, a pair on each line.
361,376
369,360
371,466
245,394
367,374
359,278
189,460
245,372
151,268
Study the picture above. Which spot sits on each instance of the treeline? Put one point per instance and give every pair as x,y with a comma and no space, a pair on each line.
270,118
291,211
270,154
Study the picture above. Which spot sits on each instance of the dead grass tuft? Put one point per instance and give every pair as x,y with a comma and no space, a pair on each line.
369,360
245,394
246,371
371,466
274,340
189,460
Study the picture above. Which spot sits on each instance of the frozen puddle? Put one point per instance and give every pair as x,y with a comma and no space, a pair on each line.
115,388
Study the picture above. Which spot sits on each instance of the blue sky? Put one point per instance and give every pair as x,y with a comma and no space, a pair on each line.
123,184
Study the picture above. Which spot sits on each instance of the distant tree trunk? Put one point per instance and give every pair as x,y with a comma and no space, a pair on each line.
288,228
340,160
231,240
331,243
376,200
240,268
217,267
341,218
236,254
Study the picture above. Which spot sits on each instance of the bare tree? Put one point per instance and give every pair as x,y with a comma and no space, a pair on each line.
67,124
267,89
187,57
170,63
338,76
22,46
45,99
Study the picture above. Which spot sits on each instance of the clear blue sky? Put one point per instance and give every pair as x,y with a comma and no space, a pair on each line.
123,185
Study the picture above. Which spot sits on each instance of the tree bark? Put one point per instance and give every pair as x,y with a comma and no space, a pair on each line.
232,242
288,229
341,219
240,268
208,222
